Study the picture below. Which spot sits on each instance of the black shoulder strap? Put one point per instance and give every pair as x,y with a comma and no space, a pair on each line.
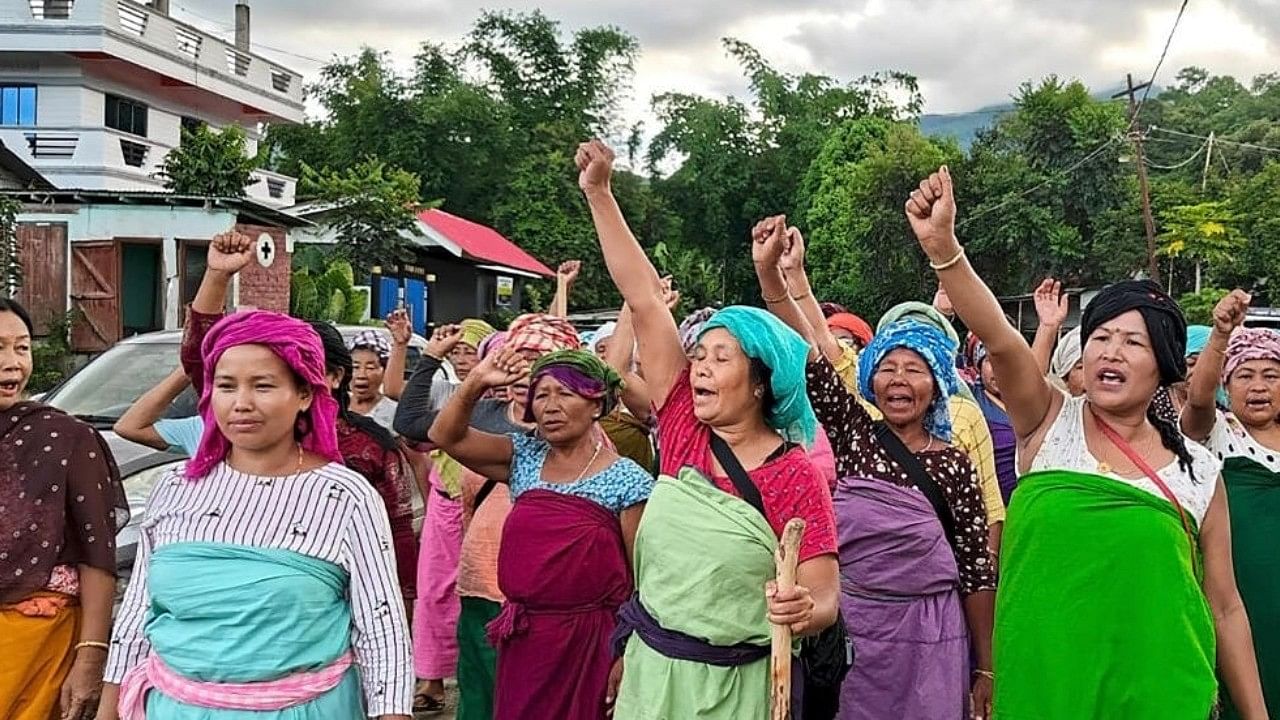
485,489
736,473
919,477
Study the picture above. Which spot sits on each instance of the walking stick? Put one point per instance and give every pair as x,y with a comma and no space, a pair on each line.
780,647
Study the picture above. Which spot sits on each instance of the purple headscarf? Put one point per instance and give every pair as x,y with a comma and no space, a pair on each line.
1250,344
294,342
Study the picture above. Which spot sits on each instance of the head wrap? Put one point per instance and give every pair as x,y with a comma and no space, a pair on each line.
297,344
691,327
1165,322
492,344
979,354
830,308
1067,355
937,349
582,372
602,333
373,341
928,315
474,332
765,338
1248,344
1197,339
855,325
541,334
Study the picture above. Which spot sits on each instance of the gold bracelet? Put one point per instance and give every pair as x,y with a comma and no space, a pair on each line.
986,674
939,267
802,296
93,644
773,301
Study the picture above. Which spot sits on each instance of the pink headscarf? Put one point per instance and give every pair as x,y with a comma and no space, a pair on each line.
1250,344
294,342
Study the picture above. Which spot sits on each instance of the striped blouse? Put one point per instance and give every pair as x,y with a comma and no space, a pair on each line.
331,513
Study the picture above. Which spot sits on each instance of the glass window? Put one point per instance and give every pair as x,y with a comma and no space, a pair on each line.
17,104
126,115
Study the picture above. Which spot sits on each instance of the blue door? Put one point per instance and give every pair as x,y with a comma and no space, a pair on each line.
388,296
415,301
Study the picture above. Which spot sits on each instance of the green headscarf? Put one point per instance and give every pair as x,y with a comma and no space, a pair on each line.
765,338
583,372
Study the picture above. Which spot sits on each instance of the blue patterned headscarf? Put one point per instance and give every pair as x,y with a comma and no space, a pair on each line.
765,338
935,347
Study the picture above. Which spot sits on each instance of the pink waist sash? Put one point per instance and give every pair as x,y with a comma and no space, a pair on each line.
286,692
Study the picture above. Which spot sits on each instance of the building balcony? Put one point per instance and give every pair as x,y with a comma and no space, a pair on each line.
136,34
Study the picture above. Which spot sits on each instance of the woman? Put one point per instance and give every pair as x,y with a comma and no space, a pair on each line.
63,503
850,330
435,644
1003,439
1247,440
1067,365
918,580
370,353
236,605
1103,610
703,554
577,503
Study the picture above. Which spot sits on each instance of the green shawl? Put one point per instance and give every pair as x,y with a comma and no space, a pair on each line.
1099,614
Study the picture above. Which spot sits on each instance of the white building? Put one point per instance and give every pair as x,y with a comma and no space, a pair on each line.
94,93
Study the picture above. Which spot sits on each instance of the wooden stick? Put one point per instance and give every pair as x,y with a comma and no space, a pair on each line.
785,561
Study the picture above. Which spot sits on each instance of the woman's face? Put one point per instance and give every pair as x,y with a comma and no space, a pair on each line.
463,358
904,387
15,359
562,415
844,335
1254,389
1120,369
256,398
720,374
1075,379
366,376
989,377
602,347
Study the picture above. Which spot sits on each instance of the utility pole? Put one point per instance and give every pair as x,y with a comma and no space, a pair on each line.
1135,134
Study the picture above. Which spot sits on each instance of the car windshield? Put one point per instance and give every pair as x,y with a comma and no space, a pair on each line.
108,385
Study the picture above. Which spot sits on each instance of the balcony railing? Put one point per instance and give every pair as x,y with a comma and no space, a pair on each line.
189,46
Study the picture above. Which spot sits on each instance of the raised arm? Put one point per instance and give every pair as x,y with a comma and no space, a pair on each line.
393,381
483,453
416,413
1051,309
620,356
1201,411
769,243
658,338
793,269
931,210
229,253
566,276
138,423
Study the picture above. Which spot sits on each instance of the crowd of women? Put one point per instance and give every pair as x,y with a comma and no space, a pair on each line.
1083,526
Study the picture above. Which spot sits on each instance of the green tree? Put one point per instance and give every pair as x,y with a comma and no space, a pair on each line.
212,163
1198,306
372,209
327,294
1204,233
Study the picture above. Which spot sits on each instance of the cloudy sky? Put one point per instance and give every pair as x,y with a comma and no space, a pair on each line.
966,53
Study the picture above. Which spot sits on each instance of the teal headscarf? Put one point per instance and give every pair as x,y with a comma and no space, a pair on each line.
939,353
765,338
929,315
1197,338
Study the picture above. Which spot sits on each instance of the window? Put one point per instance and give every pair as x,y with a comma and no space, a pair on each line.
135,154
17,104
126,115
275,188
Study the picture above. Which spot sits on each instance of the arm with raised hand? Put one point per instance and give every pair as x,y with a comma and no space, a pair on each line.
415,413
566,276
635,391
658,338
229,253
931,211
770,243
802,296
393,381
138,423
1201,412
483,453
1051,309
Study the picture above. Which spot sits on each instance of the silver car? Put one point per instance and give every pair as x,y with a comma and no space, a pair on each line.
105,388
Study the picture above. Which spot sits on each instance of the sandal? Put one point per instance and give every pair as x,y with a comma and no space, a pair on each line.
424,703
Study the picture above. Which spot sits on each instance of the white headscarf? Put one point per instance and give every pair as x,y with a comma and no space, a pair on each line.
1067,354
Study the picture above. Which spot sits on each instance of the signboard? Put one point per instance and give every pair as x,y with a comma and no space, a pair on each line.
506,290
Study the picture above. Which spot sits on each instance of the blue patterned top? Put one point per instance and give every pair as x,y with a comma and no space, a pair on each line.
616,488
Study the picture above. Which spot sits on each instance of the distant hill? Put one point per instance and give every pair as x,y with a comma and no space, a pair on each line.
964,126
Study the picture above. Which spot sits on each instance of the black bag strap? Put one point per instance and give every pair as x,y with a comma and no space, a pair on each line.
733,468
485,489
919,477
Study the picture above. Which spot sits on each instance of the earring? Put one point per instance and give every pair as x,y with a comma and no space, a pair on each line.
759,393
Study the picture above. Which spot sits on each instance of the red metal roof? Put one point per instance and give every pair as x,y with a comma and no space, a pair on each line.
479,242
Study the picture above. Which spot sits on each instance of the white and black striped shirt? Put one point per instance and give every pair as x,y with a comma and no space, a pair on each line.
332,514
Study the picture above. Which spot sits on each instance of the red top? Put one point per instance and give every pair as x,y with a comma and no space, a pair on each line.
790,485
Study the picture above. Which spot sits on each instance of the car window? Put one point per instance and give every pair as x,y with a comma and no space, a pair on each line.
111,382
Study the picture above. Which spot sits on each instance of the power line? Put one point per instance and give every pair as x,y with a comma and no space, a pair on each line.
1184,163
1216,140
1156,72
227,29
1050,180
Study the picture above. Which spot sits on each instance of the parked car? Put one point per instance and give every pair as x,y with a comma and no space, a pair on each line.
101,391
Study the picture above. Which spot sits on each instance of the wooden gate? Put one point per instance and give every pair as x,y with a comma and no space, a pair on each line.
42,248
95,282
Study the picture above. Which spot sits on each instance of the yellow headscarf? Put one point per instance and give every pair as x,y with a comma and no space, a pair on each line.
475,331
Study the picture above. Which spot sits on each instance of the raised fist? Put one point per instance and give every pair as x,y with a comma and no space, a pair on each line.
931,210
595,166
229,252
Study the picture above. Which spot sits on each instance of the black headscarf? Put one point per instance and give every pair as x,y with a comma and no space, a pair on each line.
338,357
1165,323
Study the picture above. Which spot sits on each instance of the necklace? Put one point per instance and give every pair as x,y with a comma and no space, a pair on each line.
299,468
590,462
927,446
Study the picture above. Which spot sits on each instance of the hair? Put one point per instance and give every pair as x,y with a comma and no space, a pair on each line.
338,357
371,349
1173,440
15,307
